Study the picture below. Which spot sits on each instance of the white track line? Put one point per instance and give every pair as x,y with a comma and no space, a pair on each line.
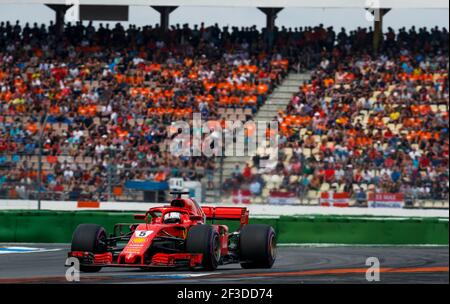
357,245
16,249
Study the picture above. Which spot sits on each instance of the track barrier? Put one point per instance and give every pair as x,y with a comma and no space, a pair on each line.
58,226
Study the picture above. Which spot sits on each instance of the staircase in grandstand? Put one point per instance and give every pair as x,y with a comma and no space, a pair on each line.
277,101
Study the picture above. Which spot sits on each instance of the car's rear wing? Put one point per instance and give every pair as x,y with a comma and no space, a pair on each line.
227,213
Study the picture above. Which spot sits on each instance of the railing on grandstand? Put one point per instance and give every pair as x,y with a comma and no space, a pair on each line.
18,181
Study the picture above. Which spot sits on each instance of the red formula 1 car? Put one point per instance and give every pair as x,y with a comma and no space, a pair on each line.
176,236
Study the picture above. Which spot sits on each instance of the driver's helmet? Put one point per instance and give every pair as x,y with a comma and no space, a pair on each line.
172,218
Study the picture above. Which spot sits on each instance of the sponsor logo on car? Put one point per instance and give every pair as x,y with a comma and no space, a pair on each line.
129,250
138,240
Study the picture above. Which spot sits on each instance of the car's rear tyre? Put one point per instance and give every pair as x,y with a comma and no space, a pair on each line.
205,239
89,238
258,247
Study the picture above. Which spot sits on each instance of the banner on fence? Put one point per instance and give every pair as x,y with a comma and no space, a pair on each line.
282,198
88,204
335,199
386,200
242,197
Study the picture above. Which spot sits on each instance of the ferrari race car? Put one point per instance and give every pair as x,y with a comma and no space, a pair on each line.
176,235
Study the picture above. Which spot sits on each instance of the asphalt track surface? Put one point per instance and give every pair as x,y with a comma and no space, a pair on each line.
294,265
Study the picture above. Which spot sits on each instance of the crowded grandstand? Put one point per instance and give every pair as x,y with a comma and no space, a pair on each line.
90,108
366,122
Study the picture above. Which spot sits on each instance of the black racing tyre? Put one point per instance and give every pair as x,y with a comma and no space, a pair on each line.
258,247
205,239
90,238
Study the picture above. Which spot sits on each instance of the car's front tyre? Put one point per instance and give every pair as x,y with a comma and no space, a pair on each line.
205,239
89,238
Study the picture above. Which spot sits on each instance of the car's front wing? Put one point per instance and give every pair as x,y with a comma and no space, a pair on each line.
158,260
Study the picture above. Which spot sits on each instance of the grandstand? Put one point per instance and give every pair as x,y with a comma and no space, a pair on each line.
367,123
85,111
